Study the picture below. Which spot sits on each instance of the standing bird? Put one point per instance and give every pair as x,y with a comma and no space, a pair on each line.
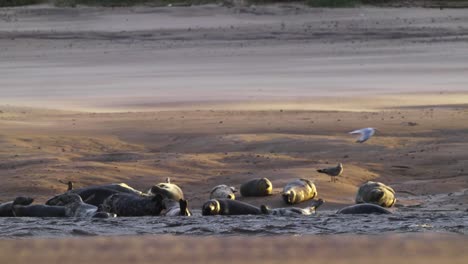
333,172
366,133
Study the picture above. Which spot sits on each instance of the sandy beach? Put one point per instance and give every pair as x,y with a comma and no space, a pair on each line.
212,95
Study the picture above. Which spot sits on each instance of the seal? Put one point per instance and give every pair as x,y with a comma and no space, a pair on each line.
37,210
229,207
95,195
167,189
223,191
176,208
298,191
256,187
365,208
6,209
75,207
376,193
125,204
292,211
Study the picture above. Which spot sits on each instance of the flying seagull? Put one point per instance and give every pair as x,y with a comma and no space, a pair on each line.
333,171
366,133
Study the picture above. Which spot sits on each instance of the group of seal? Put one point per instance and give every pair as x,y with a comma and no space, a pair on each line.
222,200
371,198
103,201
167,199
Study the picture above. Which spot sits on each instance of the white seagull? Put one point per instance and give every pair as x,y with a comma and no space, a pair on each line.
366,133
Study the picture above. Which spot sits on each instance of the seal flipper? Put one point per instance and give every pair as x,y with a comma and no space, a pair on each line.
317,204
265,209
184,211
70,186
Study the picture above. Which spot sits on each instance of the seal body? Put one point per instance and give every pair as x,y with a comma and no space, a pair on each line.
229,207
39,210
364,208
298,191
223,192
176,208
75,207
256,187
168,190
376,193
292,211
125,204
6,209
95,195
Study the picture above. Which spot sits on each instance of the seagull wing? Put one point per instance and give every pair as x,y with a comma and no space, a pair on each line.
359,131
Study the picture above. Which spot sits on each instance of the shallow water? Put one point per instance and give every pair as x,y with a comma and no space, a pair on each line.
325,222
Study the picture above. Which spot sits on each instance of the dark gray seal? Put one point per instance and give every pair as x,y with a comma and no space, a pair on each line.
256,187
6,209
168,190
176,208
229,207
95,195
292,211
75,207
298,191
37,210
125,204
376,193
223,191
365,208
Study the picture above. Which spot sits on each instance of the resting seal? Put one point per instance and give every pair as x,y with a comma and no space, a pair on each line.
299,190
37,210
125,204
6,209
365,208
75,207
95,195
292,211
176,208
168,190
376,193
228,207
256,187
223,191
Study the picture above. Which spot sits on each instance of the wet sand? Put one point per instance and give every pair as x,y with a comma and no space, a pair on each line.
179,249
207,100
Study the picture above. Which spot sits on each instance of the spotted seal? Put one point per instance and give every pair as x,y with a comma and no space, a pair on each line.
292,211
176,208
167,189
125,204
229,207
6,209
298,191
364,208
256,187
223,191
376,193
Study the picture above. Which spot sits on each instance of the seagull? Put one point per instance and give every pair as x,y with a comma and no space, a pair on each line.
333,171
366,133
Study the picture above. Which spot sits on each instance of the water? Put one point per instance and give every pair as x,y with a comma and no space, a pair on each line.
326,222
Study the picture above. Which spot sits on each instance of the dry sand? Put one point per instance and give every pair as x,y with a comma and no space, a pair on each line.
264,92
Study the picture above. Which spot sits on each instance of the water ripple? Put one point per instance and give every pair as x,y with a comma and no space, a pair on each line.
322,223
